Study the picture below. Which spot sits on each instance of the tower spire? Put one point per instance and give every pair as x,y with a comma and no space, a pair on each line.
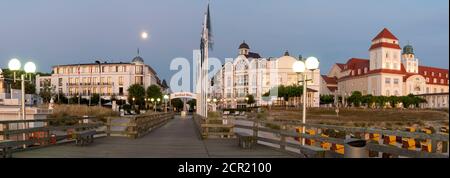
138,51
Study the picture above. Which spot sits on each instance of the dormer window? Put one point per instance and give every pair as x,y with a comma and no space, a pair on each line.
365,69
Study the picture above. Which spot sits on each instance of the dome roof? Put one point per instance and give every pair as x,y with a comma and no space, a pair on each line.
244,46
408,49
138,59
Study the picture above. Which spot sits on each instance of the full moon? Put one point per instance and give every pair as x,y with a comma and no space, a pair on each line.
144,35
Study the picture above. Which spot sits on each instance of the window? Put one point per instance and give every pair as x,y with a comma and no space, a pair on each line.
365,69
387,54
395,65
60,81
432,74
435,80
120,80
440,74
388,65
425,72
442,81
435,90
388,93
428,79
396,81
387,81
428,90
359,71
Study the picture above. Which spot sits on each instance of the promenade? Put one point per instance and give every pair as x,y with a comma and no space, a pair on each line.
177,139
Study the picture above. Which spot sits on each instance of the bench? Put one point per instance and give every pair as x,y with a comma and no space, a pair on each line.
6,148
83,138
245,140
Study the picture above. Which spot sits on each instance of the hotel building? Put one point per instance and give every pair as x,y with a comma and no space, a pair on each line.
389,71
251,74
106,79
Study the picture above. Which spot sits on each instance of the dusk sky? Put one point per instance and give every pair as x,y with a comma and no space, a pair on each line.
53,32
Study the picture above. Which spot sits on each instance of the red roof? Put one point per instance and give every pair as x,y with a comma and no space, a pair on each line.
340,65
385,33
356,63
330,80
429,74
386,45
332,89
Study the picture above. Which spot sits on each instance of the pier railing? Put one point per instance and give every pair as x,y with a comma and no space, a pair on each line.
136,126
30,134
380,143
214,128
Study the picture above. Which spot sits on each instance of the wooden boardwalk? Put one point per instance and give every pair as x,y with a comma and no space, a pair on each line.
177,139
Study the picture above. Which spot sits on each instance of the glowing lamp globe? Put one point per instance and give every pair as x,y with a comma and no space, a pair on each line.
312,63
14,64
30,67
166,97
144,35
298,67
158,99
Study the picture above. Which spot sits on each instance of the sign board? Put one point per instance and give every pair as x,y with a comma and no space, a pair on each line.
183,95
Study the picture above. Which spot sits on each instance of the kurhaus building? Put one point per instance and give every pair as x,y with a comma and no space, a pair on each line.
251,74
389,71
106,79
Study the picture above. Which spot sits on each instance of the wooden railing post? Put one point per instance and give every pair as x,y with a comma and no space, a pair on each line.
108,126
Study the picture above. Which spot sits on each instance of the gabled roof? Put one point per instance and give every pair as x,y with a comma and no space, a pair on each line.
385,33
330,80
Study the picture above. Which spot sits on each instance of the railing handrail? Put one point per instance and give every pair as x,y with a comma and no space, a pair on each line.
417,135
372,146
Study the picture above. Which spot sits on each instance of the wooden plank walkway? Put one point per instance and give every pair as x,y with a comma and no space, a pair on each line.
177,139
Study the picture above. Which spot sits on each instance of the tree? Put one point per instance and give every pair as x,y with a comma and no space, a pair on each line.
355,98
251,99
154,91
192,104
95,98
46,95
137,92
326,99
177,103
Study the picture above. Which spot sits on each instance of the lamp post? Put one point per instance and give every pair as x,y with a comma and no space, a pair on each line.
300,67
166,97
158,100
29,67
100,83
153,103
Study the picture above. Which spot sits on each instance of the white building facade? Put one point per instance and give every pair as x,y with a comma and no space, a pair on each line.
105,79
251,74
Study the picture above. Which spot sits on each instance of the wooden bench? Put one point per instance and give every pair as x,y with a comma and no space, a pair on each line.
245,140
83,138
6,148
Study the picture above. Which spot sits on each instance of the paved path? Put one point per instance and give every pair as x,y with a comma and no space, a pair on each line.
177,139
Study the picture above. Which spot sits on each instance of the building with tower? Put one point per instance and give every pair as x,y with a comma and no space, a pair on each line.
251,74
389,71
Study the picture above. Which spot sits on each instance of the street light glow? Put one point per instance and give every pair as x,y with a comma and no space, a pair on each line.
30,67
14,64
312,63
144,35
298,67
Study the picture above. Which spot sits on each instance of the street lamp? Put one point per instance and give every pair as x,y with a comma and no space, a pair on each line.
14,65
300,67
166,97
30,67
158,100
